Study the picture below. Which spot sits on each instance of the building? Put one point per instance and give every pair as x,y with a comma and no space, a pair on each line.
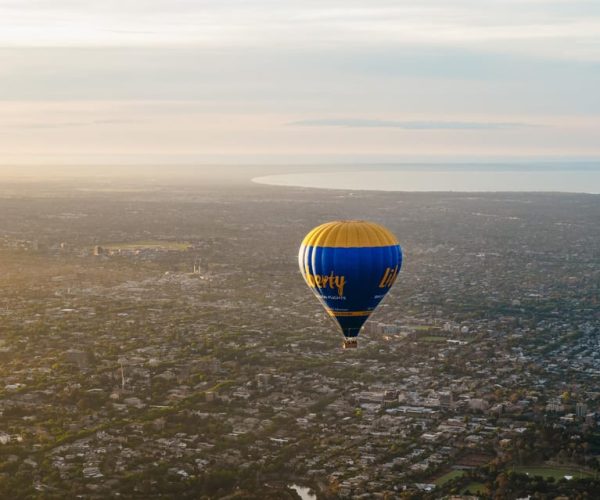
581,410
77,357
446,400
478,404
555,406
263,380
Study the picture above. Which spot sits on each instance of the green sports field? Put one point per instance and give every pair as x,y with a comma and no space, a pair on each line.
148,245
475,489
453,474
555,472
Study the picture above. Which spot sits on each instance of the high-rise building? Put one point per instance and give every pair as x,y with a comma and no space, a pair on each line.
262,380
581,410
200,266
555,406
390,398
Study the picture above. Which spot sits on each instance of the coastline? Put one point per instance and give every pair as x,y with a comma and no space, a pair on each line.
571,181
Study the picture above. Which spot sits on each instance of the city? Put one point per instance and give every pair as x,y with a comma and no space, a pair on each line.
161,342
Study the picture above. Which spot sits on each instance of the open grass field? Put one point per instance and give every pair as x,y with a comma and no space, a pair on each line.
475,489
555,472
453,474
432,338
149,245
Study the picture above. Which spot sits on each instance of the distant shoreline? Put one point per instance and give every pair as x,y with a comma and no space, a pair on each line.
445,179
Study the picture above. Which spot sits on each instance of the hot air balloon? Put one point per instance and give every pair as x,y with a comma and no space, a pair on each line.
350,266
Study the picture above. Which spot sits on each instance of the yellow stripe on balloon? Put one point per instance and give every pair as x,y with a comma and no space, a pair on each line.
349,234
347,313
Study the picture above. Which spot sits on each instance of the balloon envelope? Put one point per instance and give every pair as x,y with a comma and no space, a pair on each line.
350,266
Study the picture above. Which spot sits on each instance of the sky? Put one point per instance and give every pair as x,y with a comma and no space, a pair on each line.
297,81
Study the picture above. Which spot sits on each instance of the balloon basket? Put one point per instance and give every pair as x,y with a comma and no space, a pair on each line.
350,344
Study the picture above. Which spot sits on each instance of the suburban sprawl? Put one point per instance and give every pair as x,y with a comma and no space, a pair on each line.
161,343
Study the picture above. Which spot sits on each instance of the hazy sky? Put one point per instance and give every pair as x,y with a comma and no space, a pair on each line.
314,80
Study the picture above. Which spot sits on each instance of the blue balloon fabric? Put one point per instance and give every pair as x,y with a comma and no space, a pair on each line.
350,266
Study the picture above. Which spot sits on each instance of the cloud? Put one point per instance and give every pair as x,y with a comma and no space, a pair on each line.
51,125
397,82
556,29
408,125
204,76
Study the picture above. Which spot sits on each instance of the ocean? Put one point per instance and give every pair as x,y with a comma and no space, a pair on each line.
566,178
